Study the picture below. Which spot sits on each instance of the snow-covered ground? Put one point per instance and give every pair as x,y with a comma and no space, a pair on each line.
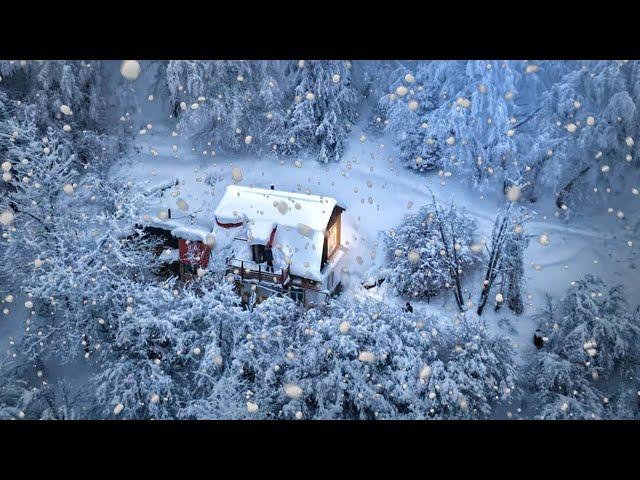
377,192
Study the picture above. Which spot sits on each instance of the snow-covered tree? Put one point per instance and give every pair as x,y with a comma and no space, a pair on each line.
472,373
224,104
72,270
591,340
513,270
358,358
505,262
430,251
361,359
376,77
558,125
323,106
166,345
252,385
583,136
78,85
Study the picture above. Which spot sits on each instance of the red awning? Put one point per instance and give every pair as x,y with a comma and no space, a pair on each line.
272,237
228,225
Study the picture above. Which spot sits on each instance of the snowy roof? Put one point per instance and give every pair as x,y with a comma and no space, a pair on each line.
190,233
179,230
300,219
259,231
239,204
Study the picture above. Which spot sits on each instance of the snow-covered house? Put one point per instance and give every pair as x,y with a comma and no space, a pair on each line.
283,242
185,240
183,249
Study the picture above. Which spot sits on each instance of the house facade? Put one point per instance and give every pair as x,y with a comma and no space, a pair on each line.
282,242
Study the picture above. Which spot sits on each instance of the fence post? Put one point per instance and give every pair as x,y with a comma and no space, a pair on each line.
259,272
242,270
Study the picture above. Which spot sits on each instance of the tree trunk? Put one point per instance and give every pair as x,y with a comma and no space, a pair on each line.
494,259
560,200
453,271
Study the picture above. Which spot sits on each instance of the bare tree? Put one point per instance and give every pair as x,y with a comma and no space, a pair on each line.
506,259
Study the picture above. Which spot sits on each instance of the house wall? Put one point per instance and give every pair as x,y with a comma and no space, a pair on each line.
335,219
315,293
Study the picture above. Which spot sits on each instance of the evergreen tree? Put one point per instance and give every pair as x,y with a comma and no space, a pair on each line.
323,108
591,338
223,105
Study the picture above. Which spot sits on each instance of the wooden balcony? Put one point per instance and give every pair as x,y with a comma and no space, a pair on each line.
247,270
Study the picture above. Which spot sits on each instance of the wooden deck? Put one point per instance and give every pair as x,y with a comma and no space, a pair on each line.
247,270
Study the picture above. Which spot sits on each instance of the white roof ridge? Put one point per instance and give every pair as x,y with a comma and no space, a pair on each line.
281,193
244,204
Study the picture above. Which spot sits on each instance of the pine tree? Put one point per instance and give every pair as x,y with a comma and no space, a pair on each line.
323,108
591,338
223,105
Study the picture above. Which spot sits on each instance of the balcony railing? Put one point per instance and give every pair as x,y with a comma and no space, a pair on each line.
248,270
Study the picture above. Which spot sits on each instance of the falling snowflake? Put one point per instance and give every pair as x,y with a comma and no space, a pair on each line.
425,372
413,256
366,357
130,69
513,193
236,174
544,239
531,69
6,218
293,391
282,206
401,91
463,102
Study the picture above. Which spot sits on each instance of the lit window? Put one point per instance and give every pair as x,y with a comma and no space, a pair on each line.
332,239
